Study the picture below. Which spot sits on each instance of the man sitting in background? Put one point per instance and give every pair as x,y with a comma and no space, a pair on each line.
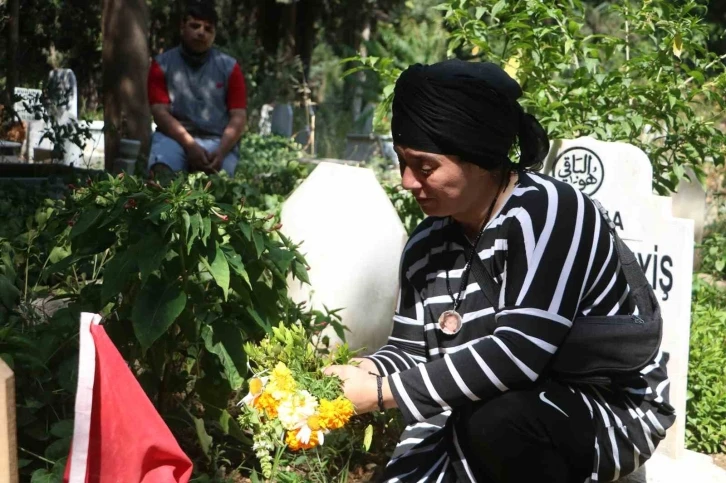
198,100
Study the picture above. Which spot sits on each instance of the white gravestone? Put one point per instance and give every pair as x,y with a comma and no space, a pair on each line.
352,238
63,90
281,120
620,176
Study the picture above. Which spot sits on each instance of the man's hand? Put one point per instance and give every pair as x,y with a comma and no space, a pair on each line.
216,158
197,158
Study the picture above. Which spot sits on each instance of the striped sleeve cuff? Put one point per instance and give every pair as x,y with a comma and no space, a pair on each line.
390,359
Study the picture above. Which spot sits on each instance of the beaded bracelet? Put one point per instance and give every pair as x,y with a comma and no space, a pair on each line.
379,383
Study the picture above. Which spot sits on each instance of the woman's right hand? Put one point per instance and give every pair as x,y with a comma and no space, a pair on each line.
365,364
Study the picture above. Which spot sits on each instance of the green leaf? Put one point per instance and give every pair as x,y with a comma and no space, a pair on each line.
196,225
219,269
678,45
246,229
62,429
58,449
187,223
149,254
368,437
206,229
720,264
256,317
9,293
157,306
223,341
300,272
259,243
235,262
230,427
58,253
118,271
205,440
498,7
65,264
43,476
87,219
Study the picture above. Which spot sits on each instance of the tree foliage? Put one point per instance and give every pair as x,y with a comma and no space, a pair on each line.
651,81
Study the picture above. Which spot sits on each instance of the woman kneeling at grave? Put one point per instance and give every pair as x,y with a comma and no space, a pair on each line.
526,342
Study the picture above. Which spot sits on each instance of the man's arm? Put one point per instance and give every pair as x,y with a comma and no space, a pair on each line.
170,126
197,157
230,137
237,108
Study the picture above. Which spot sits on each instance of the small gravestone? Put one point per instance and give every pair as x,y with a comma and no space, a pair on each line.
265,123
352,238
620,176
63,93
281,120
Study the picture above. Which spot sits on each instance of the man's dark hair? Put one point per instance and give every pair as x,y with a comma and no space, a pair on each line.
202,10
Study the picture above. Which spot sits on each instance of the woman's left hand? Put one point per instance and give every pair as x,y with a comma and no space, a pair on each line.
358,385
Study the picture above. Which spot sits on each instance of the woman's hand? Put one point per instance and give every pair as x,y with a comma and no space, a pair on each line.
361,388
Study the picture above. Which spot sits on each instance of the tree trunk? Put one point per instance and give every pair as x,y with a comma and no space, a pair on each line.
307,16
125,68
11,78
360,77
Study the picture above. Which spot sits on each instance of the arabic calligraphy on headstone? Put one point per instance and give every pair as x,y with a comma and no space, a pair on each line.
580,167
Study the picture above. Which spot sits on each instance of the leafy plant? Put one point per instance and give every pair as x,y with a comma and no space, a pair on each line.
713,250
269,170
706,405
408,209
182,280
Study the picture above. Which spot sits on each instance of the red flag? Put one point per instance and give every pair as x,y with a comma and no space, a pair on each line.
117,436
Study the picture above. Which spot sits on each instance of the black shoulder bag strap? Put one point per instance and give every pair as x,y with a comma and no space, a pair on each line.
631,268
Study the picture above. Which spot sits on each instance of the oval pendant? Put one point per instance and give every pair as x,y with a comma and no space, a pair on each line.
450,322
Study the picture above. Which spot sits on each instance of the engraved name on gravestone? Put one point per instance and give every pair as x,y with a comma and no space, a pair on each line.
29,97
620,176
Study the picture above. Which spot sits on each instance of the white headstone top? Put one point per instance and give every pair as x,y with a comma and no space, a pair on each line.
63,90
619,175
352,238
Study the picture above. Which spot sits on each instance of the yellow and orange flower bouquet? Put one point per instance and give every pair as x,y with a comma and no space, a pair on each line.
291,404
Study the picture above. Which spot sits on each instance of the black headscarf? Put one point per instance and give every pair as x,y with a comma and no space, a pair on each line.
467,109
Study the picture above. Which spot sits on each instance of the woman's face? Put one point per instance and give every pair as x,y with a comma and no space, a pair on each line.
442,184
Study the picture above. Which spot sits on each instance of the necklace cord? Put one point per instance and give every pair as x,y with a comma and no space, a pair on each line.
467,267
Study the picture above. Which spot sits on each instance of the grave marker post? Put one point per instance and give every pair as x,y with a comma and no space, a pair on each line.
8,433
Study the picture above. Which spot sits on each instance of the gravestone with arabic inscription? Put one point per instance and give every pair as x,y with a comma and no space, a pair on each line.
620,176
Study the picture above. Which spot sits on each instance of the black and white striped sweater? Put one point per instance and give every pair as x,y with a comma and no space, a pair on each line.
554,259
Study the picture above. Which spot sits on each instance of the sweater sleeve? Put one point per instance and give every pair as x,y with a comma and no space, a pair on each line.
546,270
406,345
156,84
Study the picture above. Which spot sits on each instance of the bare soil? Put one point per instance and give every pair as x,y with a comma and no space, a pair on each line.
720,460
